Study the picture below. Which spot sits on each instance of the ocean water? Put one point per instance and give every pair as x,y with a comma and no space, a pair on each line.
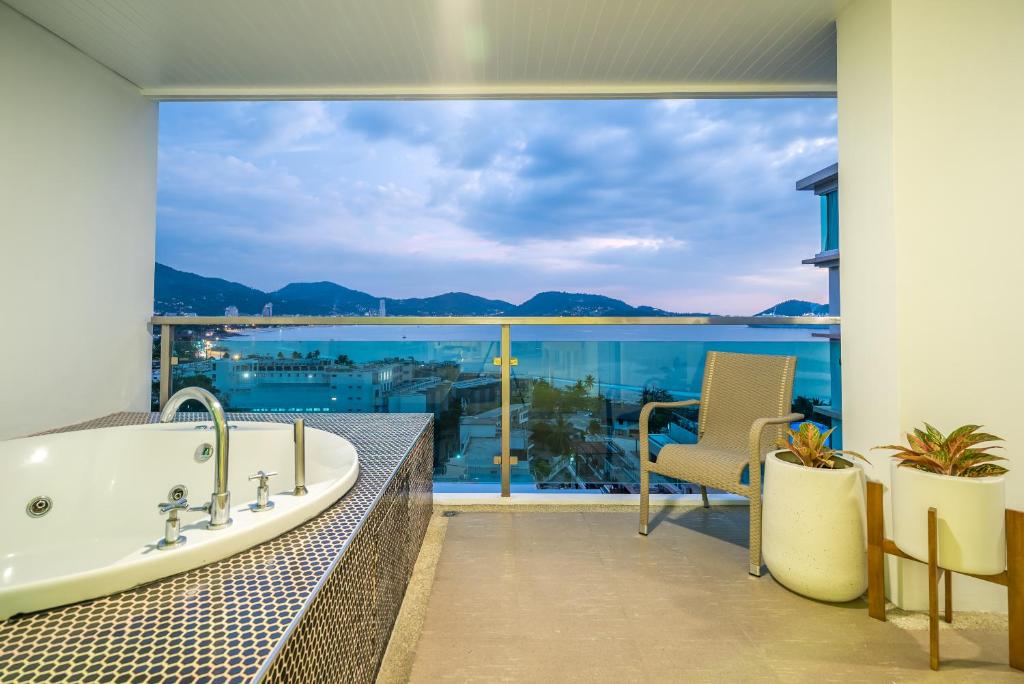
621,359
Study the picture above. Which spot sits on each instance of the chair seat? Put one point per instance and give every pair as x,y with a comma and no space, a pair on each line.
702,464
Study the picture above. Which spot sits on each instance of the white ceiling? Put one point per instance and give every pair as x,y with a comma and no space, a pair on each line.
188,49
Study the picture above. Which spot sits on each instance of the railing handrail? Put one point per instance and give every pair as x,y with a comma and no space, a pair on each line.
497,320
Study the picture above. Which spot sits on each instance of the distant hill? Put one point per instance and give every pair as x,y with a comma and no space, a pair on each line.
178,291
451,303
579,304
320,299
181,292
795,307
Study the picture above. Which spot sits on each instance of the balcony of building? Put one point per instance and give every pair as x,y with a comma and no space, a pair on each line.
572,593
465,530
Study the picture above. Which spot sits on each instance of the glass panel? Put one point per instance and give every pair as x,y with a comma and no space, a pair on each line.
832,233
577,393
823,200
576,390
443,370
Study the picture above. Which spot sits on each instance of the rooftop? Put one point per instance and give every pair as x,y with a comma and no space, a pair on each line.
821,179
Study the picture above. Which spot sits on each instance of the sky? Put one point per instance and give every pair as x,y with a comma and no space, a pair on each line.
686,205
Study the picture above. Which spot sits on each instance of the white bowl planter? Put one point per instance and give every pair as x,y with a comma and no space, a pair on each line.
814,530
971,518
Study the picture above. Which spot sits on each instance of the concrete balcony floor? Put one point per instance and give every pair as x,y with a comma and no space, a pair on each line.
526,595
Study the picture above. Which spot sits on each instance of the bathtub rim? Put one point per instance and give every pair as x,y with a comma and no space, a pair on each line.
106,580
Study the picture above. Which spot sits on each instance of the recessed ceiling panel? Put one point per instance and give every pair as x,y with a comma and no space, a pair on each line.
396,48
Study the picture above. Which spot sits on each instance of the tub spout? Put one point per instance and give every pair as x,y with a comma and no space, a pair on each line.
300,458
220,501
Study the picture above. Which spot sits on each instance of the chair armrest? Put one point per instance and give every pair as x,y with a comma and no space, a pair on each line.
756,429
645,415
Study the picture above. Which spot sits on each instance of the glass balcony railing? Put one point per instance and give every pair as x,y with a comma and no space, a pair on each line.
358,369
577,393
519,404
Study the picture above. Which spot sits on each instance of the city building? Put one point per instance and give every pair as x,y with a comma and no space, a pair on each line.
480,442
825,184
268,309
301,384
477,394
423,395
231,311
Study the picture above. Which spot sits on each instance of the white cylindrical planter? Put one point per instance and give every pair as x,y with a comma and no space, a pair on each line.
814,536
971,518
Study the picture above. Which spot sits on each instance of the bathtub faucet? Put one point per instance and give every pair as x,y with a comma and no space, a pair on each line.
219,506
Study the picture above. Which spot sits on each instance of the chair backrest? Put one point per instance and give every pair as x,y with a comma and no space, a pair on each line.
738,389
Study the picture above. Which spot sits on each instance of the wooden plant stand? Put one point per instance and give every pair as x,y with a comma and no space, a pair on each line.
1012,578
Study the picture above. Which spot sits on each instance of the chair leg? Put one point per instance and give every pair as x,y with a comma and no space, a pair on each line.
755,535
704,496
645,496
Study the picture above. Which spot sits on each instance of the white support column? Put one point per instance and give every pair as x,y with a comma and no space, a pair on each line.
931,156
77,233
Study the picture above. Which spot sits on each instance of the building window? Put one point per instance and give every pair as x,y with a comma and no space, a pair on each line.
830,221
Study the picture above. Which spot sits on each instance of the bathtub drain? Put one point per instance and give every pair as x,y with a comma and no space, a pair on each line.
39,506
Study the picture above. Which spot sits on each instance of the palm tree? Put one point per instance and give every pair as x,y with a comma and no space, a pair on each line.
589,382
540,434
540,468
659,420
653,393
554,437
561,437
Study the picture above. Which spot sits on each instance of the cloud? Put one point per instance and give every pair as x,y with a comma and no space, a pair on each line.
296,127
682,204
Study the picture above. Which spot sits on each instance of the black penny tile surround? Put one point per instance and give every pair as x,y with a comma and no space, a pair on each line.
316,604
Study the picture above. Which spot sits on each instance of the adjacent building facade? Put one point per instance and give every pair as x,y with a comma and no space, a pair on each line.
825,184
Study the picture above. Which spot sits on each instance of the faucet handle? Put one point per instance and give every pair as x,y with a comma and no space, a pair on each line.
172,526
262,477
202,508
171,506
263,502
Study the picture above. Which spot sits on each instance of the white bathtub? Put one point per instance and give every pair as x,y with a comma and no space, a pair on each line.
100,534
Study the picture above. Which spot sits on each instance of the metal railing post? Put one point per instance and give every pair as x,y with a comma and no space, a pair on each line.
506,410
166,348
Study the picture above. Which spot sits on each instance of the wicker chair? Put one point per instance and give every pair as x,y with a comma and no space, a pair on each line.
744,408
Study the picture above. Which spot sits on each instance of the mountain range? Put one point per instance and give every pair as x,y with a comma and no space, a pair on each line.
180,292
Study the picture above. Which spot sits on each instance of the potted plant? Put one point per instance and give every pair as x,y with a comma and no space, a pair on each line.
957,475
813,525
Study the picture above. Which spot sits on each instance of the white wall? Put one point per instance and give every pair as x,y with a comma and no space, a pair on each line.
931,156
77,229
